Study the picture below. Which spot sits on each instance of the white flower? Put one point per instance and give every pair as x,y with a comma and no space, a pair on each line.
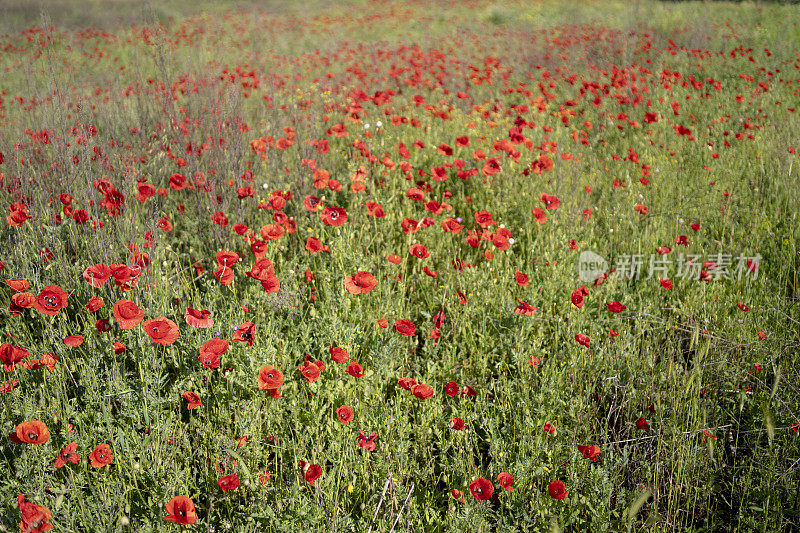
265,186
511,241
366,126
378,124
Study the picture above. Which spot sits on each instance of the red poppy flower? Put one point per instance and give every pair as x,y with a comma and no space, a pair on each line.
333,216
311,473
458,495
32,432
272,285
51,299
193,399
666,283
355,370
345,413
538,215
549,429
224,275
270,379
491,167
244,333
557,490
310,371
119,347
439,174
524,308
220,219
128,314
481,489
198,319
405,327
484,219
590,452
550,201
311,203
34,517
97,275
375,209
68,455
229,482
313,245
211,351
521,278
383,323
451,225
468,391
616,307
11,355
582,339
21,301
8,386
73,341
94,303
180,510
506,480
642,424
407,383
177,182
419,251
542,164
457,423
451,388
161,330
422,391
368,443
101,455
439,318
361,283
18,214
339,355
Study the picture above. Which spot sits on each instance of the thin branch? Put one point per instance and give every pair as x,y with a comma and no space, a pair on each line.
383,495
408,497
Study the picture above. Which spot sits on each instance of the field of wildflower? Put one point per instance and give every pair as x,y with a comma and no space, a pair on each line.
383,266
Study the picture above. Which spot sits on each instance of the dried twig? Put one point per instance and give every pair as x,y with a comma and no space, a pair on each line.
408,497
378,508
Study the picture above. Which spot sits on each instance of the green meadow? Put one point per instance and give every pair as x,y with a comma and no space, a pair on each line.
399,266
